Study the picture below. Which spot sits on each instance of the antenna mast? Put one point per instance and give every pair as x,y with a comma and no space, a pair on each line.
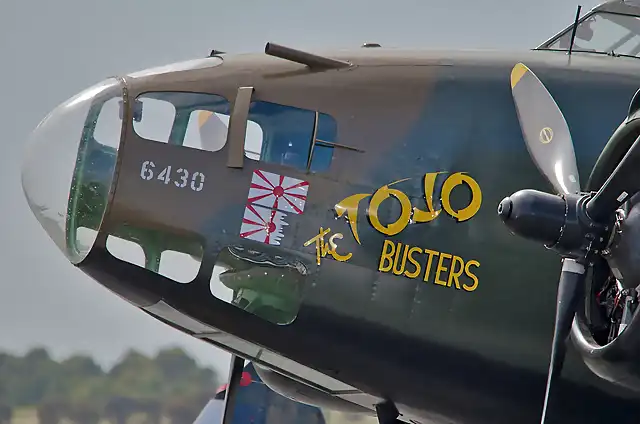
575,27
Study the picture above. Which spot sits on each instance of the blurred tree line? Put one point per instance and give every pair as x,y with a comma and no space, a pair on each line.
169,385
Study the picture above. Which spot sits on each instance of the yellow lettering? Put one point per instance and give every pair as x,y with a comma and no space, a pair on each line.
431,254
319,241
386,255
350,206
441,268
471,275
394,258
381,195
322,248
476,196
453,274
430,214
334,247
415,263
396,270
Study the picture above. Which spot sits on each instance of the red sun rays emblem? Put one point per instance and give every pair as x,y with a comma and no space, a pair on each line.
278,192
270,195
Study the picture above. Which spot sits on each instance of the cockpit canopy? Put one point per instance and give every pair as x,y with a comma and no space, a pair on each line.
611,28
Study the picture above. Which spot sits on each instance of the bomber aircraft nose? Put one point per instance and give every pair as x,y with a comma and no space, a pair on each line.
69,165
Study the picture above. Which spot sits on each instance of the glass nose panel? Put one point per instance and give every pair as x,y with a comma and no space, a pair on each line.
69,166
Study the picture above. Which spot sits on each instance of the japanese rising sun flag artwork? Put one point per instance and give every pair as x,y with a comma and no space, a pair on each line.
270,196
262,224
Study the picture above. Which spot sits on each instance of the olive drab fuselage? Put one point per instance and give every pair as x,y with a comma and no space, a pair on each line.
360,240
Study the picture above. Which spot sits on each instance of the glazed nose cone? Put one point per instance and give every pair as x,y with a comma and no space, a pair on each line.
68,166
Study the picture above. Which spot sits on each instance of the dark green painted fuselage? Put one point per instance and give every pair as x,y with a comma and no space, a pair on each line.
447,349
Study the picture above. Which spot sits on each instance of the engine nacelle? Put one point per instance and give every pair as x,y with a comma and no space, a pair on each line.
618,361
612,352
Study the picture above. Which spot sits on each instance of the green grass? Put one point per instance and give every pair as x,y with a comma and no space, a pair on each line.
29,416
24,416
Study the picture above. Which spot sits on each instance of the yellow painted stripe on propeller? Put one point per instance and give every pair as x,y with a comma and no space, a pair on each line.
517,73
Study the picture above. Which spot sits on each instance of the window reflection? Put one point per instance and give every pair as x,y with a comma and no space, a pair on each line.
287,136
603,33
268,286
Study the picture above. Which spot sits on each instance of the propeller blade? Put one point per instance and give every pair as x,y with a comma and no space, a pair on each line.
570,288
545,131
623,183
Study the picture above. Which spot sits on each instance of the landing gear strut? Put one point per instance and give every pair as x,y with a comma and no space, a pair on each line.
387,413
235,374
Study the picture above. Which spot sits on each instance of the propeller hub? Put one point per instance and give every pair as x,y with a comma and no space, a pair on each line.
534,215
558,222
504,209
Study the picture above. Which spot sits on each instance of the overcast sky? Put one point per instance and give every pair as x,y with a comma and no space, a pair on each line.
50,50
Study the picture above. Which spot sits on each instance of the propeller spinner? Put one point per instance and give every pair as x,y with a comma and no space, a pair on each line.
574,224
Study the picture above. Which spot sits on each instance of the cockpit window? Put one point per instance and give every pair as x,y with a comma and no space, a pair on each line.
605,33
299,138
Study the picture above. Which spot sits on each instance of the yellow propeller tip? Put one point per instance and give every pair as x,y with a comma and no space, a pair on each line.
517,73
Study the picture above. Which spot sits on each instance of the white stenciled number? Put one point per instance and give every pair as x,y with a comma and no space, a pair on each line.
146,172
165,175
197,181
184,178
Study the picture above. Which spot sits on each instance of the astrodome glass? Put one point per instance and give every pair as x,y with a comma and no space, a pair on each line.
69,165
